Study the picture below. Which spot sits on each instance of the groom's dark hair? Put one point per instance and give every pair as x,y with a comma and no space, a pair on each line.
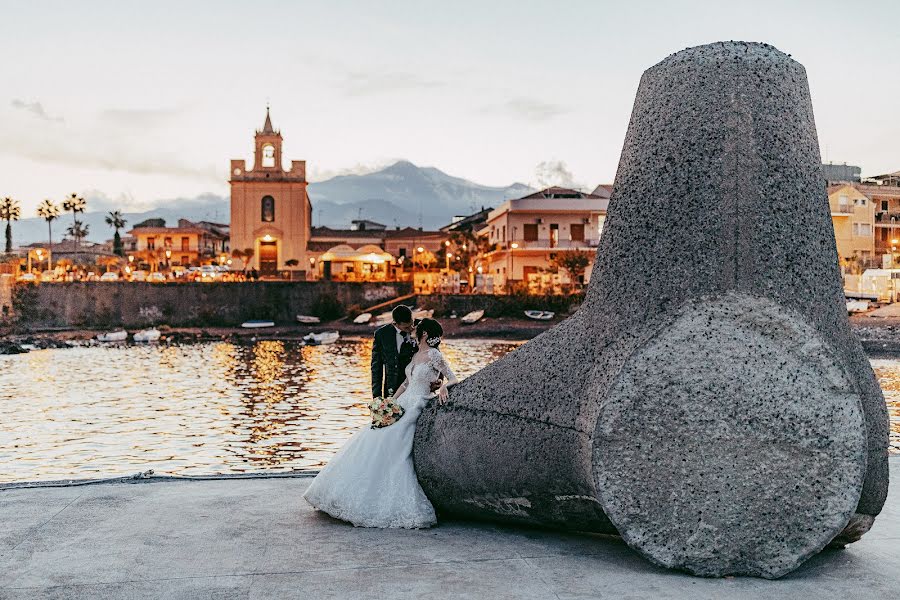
401,314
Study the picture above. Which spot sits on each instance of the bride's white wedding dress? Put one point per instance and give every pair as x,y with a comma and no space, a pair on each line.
371,481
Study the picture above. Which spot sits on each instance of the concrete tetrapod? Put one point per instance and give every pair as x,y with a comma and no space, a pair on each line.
708,401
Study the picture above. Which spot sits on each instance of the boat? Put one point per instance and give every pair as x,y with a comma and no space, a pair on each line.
147,335
421,313
857,306
540,315
113,336
363,318
472,317
382,319
320,339
256,324
308,320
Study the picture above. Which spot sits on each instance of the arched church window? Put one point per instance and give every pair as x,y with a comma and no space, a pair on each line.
268,155
268,209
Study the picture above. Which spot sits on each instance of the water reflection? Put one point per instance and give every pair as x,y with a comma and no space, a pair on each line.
189,410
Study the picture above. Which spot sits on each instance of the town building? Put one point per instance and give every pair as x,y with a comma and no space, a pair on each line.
271,214
152,243
526,233
835,173
853,218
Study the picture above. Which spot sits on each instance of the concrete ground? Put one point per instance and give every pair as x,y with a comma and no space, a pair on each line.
258,539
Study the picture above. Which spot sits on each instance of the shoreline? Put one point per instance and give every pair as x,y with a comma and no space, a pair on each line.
878,335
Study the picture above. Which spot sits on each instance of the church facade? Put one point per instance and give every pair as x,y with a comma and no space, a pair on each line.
271,216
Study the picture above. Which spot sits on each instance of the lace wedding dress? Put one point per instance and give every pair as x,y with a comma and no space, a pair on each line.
371,481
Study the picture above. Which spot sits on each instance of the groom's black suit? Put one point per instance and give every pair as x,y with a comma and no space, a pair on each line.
389,363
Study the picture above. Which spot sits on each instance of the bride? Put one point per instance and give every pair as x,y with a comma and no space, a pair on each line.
371,481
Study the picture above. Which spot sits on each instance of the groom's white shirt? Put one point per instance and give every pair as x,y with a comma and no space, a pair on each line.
399,338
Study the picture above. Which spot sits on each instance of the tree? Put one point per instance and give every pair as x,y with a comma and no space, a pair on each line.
9,212
248,256
48,212
115,220
574,262
78,231
469,249
291,262
75,204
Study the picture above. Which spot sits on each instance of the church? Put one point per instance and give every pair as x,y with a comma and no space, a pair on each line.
271,216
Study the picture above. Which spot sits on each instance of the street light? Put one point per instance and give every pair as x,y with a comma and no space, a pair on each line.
449,256
168,256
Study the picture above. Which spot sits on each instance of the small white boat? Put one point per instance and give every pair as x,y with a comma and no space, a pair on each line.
383,319
256,324
113,336
363,318
320,339
857,306
540,315
147,335
421,313
472,317
308,320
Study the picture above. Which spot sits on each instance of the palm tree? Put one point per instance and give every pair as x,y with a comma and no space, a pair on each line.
248,256
48,211
115,220
76,204
78,231
9,212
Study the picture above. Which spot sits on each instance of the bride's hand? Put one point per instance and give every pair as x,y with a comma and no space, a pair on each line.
443,395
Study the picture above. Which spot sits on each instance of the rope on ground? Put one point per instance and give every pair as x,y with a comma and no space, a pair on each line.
149,477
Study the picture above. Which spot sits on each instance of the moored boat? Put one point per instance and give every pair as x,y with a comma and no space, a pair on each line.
256,324
363,318
320,339
308,320
113,336
147,335
540,315
472,317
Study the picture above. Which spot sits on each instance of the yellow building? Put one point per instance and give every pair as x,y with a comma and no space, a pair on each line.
853,217
158,245
270,209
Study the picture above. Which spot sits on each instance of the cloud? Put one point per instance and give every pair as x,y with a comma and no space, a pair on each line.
35,108
529,109
316,174
367,83
138,116
555,172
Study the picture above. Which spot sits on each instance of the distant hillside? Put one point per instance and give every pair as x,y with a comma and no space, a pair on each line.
399,195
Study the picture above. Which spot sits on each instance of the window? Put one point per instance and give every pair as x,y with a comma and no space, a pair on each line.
576,231
151,243
531,232
268,155
185,244
862,229
503,239
554,235
167,242
268,209
401,252
884,205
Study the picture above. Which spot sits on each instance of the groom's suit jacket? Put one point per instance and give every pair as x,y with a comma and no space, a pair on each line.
389,363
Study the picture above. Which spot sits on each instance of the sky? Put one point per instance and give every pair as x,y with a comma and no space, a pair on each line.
142,103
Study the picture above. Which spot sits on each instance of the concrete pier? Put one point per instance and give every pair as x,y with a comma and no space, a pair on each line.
241,539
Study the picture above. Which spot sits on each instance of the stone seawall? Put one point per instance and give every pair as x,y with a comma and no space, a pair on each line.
118,304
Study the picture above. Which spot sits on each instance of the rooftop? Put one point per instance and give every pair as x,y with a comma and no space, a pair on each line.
256,538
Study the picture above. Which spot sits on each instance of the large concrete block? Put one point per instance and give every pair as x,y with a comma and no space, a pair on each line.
708,401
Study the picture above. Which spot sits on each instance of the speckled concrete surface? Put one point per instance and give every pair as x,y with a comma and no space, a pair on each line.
719,170
247,539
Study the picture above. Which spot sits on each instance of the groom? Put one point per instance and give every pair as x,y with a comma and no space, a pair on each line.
392,351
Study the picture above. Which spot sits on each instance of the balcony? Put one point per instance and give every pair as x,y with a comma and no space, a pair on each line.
884,218
546,245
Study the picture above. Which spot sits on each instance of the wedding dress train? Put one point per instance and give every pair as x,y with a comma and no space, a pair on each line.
371,481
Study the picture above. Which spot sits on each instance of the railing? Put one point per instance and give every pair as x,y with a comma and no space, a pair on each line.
563,244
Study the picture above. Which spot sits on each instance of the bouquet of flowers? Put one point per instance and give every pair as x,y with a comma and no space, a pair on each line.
385,411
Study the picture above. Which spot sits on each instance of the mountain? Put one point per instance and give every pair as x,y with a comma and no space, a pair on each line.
400,195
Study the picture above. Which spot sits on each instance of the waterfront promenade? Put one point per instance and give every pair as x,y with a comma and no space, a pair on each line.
257,538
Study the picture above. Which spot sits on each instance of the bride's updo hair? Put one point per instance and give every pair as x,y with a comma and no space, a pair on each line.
432,331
